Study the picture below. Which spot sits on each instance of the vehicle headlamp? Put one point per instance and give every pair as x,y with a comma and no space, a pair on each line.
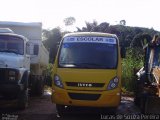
113,84
57,81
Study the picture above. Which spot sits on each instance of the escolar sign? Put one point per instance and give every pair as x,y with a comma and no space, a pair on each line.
90,39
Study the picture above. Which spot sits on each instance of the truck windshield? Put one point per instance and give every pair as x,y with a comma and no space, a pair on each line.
97,53
11,44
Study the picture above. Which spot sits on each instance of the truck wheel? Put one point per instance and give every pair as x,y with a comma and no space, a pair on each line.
144,105
23,99
60,110
138,93
137,101
40,87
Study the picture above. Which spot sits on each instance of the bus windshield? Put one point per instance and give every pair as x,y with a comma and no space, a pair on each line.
88,52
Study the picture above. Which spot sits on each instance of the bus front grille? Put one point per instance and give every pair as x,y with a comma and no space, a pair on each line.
83,84
84,96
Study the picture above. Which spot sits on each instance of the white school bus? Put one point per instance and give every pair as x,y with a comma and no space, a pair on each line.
87,71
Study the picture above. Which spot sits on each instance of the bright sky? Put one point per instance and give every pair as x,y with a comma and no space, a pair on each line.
141,13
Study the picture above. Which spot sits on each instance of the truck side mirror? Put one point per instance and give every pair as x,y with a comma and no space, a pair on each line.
36,49
28,48
123,52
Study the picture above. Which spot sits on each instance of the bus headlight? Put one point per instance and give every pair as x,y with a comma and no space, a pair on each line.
113,83
57,81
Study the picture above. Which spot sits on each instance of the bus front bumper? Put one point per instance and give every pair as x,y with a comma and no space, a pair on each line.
106,98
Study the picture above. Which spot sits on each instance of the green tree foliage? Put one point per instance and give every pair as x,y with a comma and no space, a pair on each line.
140,40
122,22
90,27
130,65
126,34
69,21
94,27
103,27
52,40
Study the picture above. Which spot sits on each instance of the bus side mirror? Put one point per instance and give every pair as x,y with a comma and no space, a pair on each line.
123,52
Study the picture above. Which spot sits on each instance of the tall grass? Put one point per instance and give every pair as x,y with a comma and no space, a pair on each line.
132,62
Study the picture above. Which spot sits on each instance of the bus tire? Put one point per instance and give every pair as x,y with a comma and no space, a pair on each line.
60,110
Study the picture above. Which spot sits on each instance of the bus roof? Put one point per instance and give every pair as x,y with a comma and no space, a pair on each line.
91,34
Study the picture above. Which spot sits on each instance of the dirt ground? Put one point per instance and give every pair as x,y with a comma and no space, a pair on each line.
41,108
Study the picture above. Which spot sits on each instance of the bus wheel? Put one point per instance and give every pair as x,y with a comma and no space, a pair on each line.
109,110
60,110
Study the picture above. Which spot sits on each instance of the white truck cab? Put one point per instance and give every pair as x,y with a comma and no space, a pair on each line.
13,49
23,60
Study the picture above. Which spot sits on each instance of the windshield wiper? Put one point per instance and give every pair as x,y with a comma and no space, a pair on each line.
88,65
10,51
70,64
83,65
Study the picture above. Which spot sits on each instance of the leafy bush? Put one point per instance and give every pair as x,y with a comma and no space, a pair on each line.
49,72
132,63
